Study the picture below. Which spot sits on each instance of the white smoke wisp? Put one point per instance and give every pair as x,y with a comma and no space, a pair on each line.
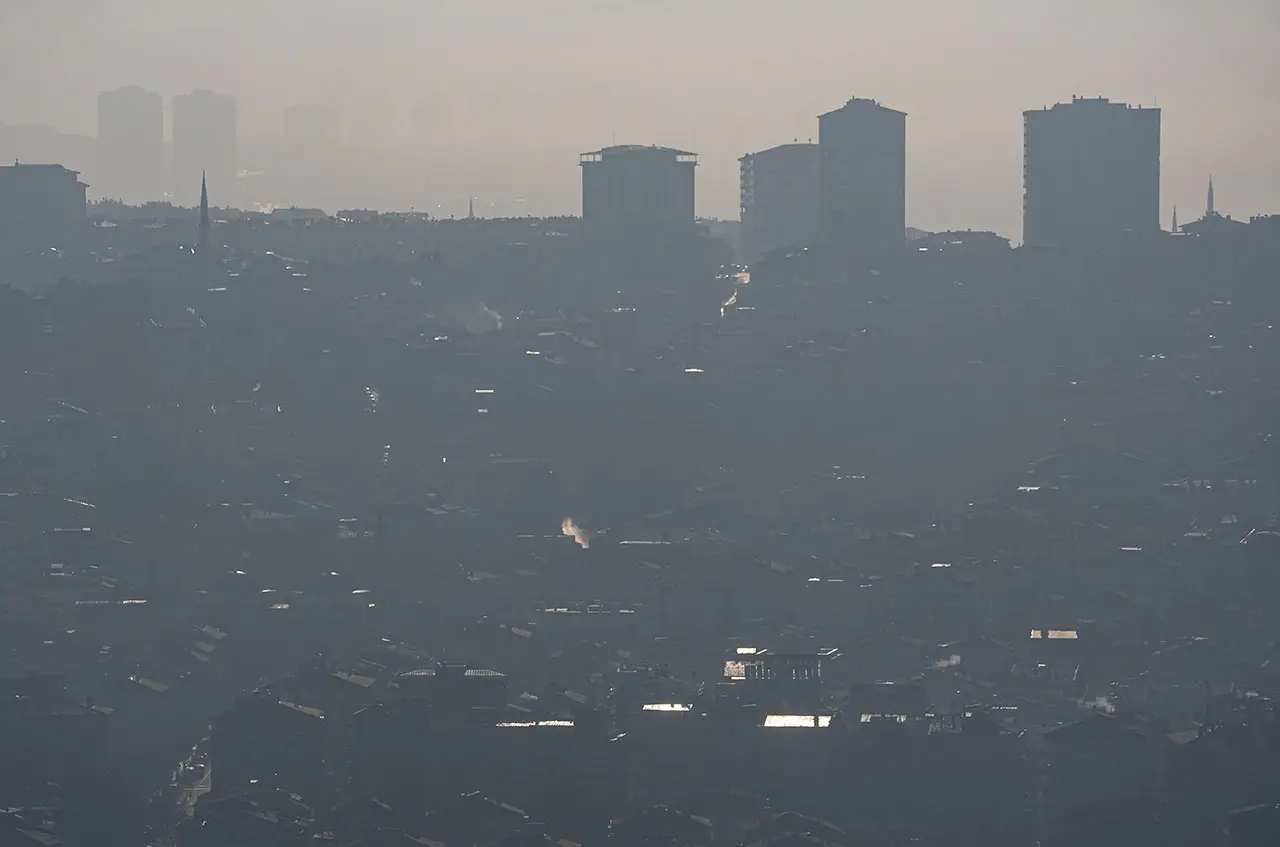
1102,704
474,318
949,662
493,317
570,528
479,319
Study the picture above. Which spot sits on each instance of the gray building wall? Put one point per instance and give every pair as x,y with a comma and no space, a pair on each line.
1091,172
629,187
779,190
39,202
863,175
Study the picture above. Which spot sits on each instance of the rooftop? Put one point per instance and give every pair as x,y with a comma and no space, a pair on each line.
793,146
861,103
473,673
24,166
1090,102
637,149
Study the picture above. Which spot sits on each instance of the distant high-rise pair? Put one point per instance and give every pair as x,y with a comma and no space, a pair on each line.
1091,173
849,189
132,163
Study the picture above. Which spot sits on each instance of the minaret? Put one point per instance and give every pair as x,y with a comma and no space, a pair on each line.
204,214
1174,228
1209,210
471,208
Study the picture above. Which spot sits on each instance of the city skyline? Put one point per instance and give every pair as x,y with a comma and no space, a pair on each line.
508,111
603,423
310,129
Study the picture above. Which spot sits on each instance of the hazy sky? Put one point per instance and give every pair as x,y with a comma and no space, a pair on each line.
511,91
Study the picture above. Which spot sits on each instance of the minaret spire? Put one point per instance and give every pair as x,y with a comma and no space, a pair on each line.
204,199
1174,228
471,208
204,214
1209,209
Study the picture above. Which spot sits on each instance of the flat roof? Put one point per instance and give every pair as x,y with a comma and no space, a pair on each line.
1092,102
25,166
861,101
778,148
472,673
623,149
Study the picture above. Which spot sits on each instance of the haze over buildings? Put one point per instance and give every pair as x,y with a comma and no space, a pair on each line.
502,118
309,125
131,146
205,141
383,510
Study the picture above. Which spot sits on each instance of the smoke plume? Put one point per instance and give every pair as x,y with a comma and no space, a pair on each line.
570,528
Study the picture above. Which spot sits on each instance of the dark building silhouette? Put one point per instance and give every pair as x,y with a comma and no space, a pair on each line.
39,201
205,139
779,197
1091,172
863,175
131,156
631,187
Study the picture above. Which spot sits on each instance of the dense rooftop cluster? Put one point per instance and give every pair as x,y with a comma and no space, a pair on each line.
476,532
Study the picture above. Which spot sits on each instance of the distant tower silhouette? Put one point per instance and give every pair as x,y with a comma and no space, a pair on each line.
204,214
471,208
1174,228
1209,209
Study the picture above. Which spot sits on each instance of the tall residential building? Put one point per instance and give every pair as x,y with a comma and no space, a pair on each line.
779,191
131,164
629,187
205,141
863,175
1091,172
